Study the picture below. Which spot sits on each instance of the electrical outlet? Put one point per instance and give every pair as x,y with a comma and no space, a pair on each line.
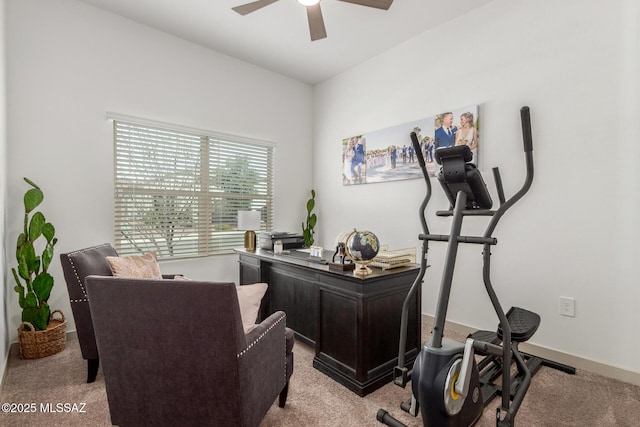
567,306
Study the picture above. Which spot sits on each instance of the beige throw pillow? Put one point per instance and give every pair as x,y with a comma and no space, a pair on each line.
249,298
135,266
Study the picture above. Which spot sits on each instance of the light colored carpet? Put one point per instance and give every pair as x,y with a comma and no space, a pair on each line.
554,398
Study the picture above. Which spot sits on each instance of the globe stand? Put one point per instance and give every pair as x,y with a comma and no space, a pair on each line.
362,269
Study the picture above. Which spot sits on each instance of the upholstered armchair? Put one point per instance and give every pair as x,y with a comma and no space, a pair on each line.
76,266
175,353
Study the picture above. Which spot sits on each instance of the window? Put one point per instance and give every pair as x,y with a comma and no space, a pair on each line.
178,192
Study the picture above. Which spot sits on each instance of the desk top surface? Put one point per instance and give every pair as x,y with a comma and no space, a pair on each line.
301,258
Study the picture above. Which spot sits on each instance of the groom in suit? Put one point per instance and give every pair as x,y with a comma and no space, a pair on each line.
445,135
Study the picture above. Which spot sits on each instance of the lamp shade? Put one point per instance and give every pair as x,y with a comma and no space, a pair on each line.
249,220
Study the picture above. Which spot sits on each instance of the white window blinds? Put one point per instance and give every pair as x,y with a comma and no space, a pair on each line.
179,192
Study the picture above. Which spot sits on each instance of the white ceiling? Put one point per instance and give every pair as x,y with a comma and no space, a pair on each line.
276,37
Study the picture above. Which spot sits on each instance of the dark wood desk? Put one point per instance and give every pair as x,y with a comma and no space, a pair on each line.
352,322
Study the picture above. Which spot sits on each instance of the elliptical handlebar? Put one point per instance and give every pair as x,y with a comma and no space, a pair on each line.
509,353
423,167
400,372
525,118
418,150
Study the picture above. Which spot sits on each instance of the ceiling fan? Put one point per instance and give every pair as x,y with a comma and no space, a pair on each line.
314,14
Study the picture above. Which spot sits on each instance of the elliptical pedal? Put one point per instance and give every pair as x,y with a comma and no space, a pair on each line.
523,323
486,336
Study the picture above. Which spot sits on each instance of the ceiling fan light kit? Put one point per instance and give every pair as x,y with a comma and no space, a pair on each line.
314,13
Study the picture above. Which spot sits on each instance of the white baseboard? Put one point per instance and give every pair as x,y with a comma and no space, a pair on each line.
557,356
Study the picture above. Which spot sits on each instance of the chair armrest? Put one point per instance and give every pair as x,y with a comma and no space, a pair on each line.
262,365
263,326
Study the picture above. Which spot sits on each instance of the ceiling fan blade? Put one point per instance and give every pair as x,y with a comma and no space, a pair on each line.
378,4
253,6
316,22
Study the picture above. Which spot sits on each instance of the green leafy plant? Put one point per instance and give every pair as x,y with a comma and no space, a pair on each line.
308,229
32,269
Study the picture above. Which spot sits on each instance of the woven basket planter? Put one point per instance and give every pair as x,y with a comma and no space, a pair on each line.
36,344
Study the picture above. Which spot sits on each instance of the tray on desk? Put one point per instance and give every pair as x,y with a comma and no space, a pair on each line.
387,260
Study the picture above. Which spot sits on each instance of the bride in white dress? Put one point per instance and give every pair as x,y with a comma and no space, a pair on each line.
467,134
387,161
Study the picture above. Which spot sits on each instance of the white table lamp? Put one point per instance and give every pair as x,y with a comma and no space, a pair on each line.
249,221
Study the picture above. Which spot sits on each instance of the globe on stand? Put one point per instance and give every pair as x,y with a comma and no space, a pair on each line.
362,247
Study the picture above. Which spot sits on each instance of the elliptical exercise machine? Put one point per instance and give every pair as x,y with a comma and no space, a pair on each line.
447,383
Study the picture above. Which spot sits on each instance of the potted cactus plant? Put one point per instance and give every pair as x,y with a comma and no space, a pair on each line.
308,228
33,282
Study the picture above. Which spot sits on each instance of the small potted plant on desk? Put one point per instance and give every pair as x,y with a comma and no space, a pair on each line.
39,335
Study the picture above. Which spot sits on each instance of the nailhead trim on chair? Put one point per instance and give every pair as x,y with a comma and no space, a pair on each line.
243,352
239,355
75,272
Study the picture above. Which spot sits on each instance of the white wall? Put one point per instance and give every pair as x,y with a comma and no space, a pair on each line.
576,64
69,63
4,340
